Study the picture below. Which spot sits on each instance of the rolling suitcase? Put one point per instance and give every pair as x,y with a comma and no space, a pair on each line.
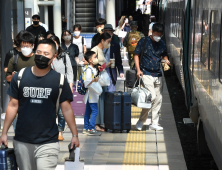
7,159
78,104
117,111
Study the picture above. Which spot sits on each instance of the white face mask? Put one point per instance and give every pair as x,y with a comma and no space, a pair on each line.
68,38
157,39
26,51
95,62
99,30
106,45
76,33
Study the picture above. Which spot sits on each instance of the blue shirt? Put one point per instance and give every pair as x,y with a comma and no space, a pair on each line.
152,56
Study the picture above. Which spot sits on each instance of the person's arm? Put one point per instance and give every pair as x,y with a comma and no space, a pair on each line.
165,57
7,58
137,64
10,73
118,60
123,26
84,46
70,119
88,78
69,72
10,116
136,57
11,110
149,32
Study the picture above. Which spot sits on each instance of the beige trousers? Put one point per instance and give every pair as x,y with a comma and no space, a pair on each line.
36,157
155,86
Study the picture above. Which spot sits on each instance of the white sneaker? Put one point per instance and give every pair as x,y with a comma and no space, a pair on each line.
155,127
139,125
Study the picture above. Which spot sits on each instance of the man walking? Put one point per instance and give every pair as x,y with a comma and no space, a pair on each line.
131,40
34,96
150,71
36,28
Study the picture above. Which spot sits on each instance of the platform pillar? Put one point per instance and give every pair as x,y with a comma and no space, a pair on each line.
111,13
57,18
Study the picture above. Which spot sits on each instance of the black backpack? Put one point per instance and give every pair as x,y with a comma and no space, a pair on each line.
15,59
63,56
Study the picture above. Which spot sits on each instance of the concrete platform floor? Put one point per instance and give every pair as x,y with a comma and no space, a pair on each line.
144,150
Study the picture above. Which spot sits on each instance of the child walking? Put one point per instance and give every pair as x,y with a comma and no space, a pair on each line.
91,98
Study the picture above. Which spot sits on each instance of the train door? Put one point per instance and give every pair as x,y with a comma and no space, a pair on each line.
186,53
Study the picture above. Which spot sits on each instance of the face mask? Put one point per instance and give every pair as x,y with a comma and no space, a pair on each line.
36,22
26,51
157,39
95,62
68,38
76,33
41,61
99,30
106,45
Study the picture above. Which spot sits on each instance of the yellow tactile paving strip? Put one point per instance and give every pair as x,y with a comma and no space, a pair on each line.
135,149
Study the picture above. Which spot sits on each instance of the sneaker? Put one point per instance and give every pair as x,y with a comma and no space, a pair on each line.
85,131
155,127
139,125
93,132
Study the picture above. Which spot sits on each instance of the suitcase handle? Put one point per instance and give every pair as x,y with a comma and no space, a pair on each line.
3,147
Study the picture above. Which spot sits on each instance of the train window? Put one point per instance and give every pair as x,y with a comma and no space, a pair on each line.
204,38
214,42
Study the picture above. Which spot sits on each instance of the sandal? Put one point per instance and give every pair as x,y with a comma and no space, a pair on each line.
100,129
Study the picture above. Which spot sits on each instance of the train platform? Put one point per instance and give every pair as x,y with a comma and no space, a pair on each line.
140,150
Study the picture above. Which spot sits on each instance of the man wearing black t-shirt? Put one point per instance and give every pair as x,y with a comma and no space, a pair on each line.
36,28
36,136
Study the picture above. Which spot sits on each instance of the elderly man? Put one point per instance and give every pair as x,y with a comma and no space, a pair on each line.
109,29
150,71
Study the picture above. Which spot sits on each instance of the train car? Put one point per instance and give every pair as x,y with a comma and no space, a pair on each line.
193,36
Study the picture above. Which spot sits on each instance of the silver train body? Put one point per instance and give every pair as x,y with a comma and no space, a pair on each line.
193,32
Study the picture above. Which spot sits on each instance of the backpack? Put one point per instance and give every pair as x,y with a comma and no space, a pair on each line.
133,40
15,59
61,83
63,56
81,87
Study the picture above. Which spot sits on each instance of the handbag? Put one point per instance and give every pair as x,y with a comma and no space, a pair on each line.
104,79
76,164
141,97
117,30
122,34
131,76
96,87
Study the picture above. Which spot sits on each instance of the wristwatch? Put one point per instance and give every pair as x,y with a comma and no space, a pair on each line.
75,136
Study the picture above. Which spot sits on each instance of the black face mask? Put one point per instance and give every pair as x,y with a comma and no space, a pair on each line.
41,61
36,22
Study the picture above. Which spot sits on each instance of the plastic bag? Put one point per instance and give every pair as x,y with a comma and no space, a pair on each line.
141,97
96,87
104,79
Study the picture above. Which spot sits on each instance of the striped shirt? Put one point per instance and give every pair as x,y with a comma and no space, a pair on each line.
59,66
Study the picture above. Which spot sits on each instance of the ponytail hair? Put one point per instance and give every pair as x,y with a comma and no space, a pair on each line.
105,36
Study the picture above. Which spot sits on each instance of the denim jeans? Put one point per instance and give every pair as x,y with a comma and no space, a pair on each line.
61,121
91,109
